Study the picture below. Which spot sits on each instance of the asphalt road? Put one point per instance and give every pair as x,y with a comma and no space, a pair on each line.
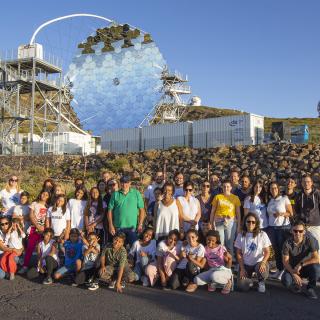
23,299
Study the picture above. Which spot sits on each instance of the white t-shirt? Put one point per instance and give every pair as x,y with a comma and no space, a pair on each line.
252,248
258,208
76,208
198,251
190,209
9,199
163,250
15,241
137,248
58,220
45,250
40,212
278,205
149,192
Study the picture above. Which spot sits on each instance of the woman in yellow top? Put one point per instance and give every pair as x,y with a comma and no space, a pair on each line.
225,216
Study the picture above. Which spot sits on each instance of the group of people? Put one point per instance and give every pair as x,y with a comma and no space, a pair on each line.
112,234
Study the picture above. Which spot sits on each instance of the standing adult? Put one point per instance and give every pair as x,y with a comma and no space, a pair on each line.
178,184
10,195
126,211
215,185
301,260
168,213
106,176
279,211
190,207
225,216
291,192
149,192
235,181
307,207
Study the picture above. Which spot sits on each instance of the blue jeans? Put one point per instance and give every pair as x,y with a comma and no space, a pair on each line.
139,267
278,235
131,235
311,272
227,231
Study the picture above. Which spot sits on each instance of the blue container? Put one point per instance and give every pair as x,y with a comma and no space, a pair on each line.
300,134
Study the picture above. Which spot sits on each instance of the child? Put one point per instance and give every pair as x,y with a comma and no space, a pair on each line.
95,213
73,253
219,262
91,251
168,252
77,206
114,262
151,206
58,218
22,211
38,212
143,252
192,256
47,255
8,262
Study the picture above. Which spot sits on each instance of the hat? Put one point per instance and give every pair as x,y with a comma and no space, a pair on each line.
124,179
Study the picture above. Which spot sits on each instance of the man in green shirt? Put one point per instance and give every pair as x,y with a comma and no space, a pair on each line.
126,211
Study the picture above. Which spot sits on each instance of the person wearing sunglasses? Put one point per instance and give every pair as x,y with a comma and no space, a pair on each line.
4,234
190,207
205,199
307,207
301,260
252,251
10,195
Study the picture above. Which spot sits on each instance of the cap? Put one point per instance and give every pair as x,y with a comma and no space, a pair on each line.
124,179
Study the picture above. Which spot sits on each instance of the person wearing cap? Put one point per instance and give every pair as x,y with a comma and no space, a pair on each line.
126,211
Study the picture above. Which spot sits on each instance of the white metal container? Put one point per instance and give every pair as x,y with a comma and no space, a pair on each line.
163,136
30,51
232,130
121,140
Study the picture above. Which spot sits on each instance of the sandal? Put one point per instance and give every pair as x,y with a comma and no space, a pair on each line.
192,287
227,288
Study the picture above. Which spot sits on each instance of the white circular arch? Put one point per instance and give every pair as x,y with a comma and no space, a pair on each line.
33,38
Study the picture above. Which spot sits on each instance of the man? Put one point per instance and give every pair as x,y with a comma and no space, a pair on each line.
301,260
178,181
234,179
307,207
149,192
290,191
215,185
126,211
79,182
243,192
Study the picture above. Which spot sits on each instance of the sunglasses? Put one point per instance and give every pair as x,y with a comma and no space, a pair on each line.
298,231
13,180
206,185
189,190
4,224
250,222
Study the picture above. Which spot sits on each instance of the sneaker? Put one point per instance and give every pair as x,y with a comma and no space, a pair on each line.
11,277
123,285
280,274
311,294
112,285
47,280
93,286
145,281
192,287
227,288
23,270
211,287
185,282
261,287
295,289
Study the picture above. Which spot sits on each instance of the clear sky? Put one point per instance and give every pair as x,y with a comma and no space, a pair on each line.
260,56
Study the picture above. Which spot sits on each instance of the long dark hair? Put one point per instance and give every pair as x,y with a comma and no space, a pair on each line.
51,182
168,184
262,195
269,186
40,194
64,207
90,201
256,229
85,192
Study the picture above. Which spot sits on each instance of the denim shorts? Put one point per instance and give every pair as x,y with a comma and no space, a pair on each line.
63,270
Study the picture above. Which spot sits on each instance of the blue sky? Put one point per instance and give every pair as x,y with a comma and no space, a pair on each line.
259,56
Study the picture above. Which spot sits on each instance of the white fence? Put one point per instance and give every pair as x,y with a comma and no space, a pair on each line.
243,129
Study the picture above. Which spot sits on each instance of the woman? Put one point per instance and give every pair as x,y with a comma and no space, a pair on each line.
10,195
102,187
257,203
253,251
57,191
225,216
190,207
168,213
279,212
205,199
49,185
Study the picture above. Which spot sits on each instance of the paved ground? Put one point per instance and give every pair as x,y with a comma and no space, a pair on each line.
23,299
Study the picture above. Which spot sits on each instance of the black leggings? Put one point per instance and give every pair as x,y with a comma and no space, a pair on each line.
178,275
85,275
51,265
